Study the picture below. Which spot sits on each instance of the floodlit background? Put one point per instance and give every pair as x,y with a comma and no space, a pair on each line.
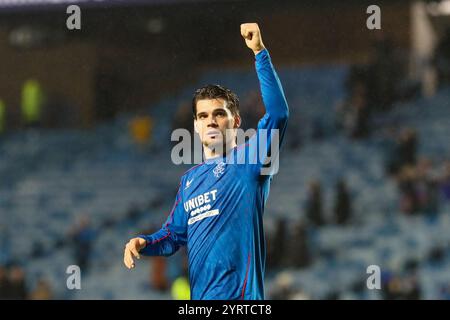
86,117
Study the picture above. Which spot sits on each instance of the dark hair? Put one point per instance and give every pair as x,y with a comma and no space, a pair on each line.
215,91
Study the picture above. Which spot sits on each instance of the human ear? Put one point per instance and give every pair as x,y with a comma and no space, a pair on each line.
237,122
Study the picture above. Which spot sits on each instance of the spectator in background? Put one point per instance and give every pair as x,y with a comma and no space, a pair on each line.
283,287
296,134
298,255
445,182
158,269
32,103
384,74
314,204
342,203
402,287
392,162
42,291
252,110
141,131
427,187
2,116
419,188
4,283
356,75
17,285
270,251
444,292
5,245
180,287
82,236
393,289
317,130
353,115
442,58
407,147
60,111
409,201
183,118
401,150
278,244
159,274
411,288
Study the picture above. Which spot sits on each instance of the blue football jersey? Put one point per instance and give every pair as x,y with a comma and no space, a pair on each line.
219,207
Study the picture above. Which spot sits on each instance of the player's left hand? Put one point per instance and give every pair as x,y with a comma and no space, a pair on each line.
252,35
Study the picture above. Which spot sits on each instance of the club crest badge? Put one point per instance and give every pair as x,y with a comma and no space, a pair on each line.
219,169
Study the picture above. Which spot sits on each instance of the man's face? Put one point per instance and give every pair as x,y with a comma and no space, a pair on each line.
213,120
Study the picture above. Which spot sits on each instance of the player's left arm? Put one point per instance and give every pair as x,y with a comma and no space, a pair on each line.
276,114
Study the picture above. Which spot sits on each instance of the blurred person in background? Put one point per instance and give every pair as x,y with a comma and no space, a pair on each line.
407,147
278,244
42,291
314,204
60,111
342,203
427,187
285,288
402,287
384,74
82,236
444,292
401,150
393,288
441,58
140,128
32,103
298,253
180,289
392,158
183,118
2,117
4,283
409,200
5,245
445,181
419,188
252,110
282,286
17,283
353,115
158,276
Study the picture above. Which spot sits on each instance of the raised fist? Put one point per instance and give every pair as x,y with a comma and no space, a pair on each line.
252,35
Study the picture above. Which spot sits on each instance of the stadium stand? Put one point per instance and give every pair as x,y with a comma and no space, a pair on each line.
52,177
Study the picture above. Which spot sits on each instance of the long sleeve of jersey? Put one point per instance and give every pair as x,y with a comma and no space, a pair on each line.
171,236
272,93
276,116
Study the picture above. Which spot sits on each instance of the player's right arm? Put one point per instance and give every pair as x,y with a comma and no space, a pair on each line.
165,241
